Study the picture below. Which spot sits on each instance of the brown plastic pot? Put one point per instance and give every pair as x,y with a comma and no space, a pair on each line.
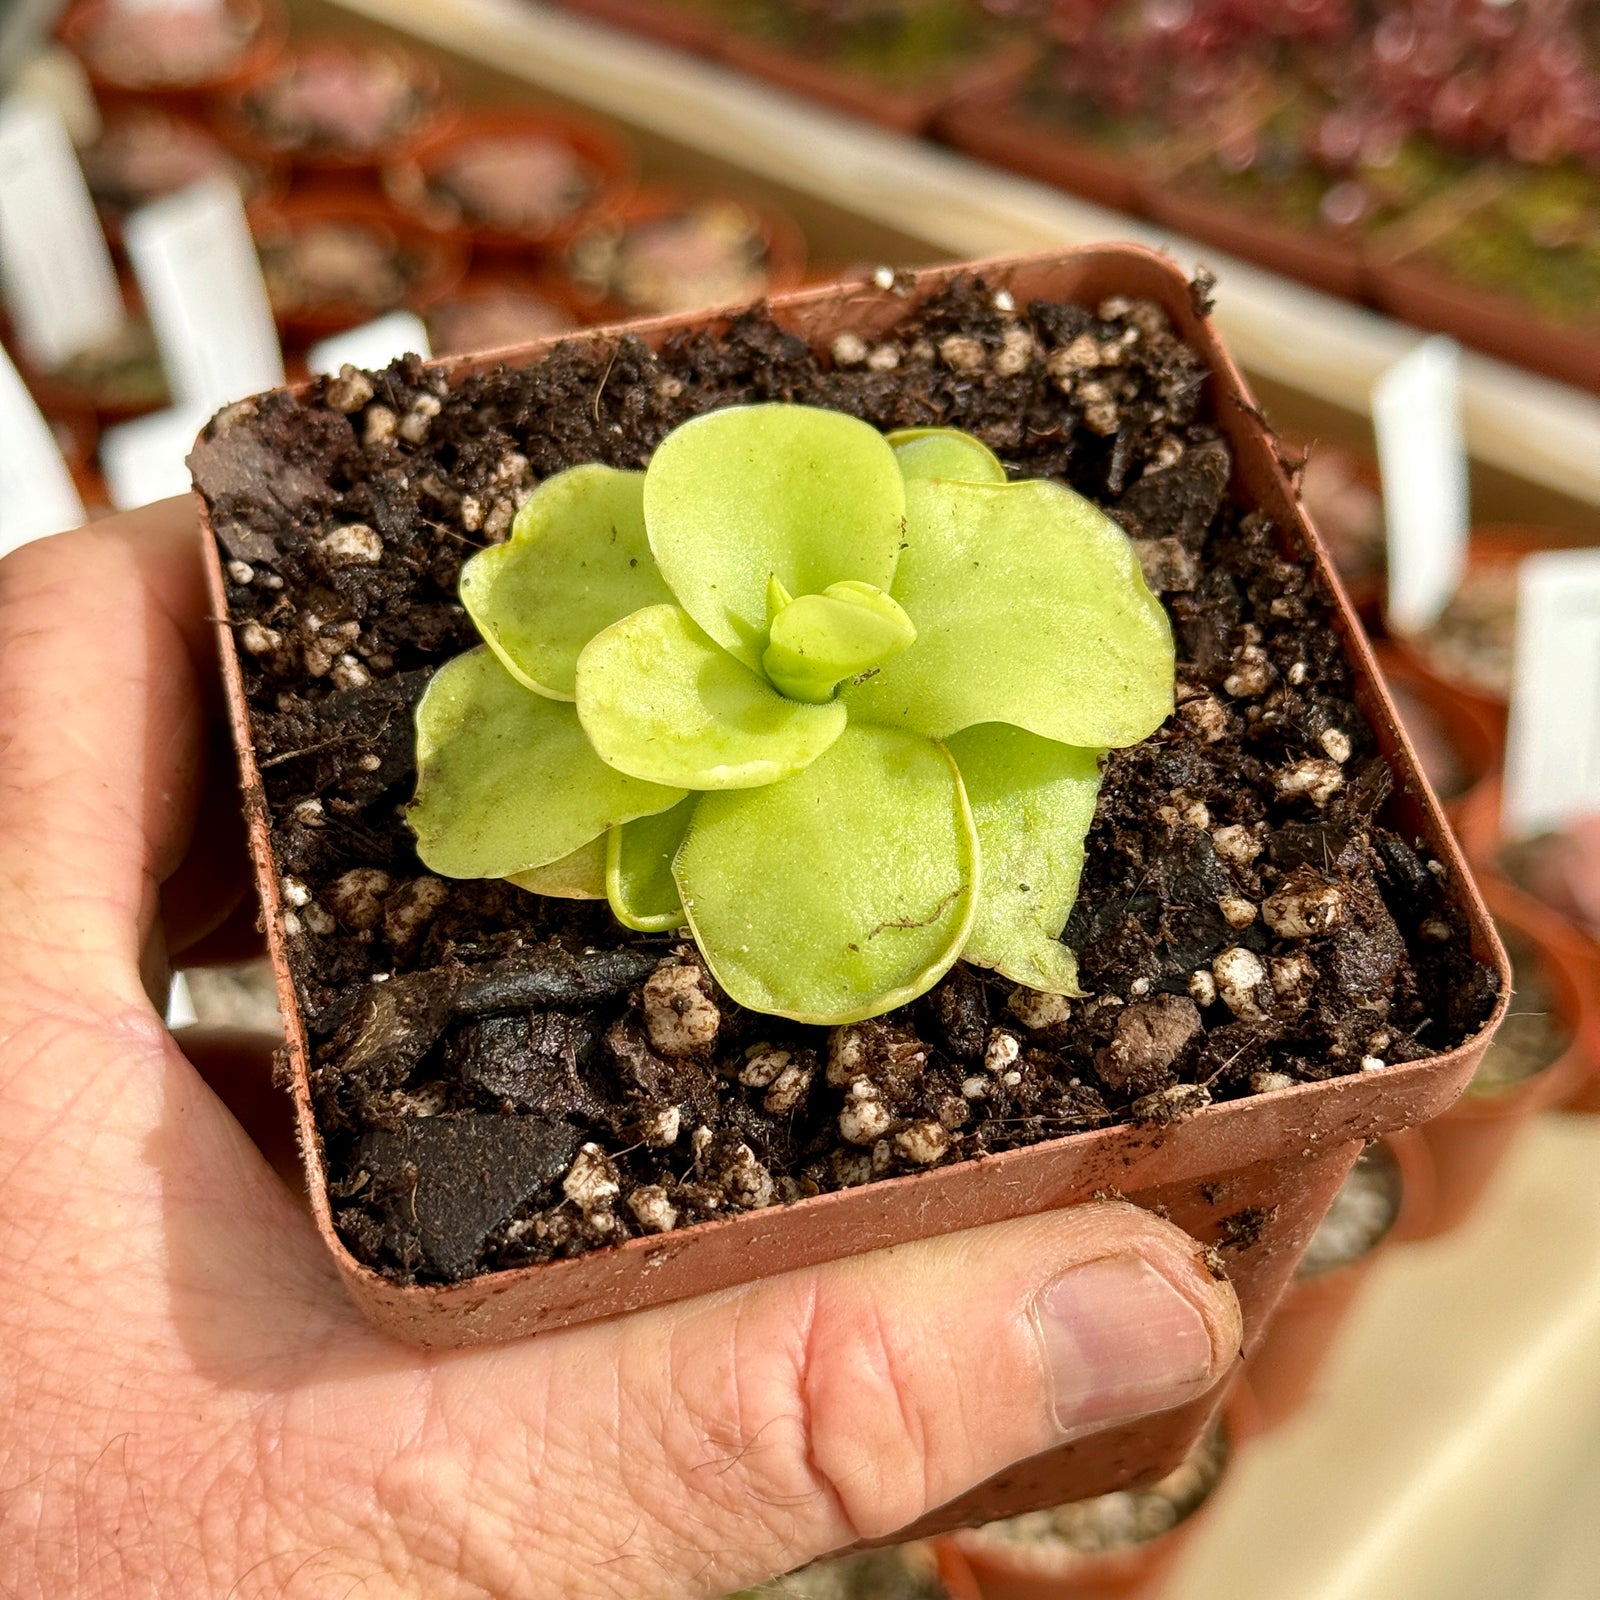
671,22
1572,947
264,20
780,235
1406,286
909,107
1475,737
1327,258
547,296
1472,1137
235,122
1285,1152
1494,544
990,121
1006,1570
410,181
1283,1372
440,262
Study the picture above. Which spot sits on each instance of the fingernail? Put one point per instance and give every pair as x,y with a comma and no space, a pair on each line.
1120,1342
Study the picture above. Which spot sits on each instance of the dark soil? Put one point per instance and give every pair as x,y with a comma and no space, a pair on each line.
495,1079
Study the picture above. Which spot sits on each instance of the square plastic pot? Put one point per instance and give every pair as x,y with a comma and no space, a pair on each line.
1278,1157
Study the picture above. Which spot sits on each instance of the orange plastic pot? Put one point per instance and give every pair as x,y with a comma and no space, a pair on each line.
1408,287
1003,1569
1283,1372
1493,544
909,107
236,119
411,180
991,121
1282,1155
689,27
1327,258
1570,946
1470,1139
438,264
780,237
264,24
1475,737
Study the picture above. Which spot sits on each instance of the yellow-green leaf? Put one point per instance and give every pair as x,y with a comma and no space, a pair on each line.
638,869
579,876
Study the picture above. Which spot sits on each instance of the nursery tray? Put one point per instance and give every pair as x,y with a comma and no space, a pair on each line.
1251,1176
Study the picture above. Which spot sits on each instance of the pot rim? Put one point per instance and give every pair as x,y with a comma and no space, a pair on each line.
1293,1124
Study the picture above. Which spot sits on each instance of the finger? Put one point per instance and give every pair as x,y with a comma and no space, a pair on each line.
102,716
694,1448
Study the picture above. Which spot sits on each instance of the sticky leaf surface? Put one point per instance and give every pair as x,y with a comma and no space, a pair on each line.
506,779
945,453
1032,802
577,561
579,876
841,892
638,875
661,701
740,496
1030,609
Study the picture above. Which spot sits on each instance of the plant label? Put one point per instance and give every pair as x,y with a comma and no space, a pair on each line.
372,346
202,284
37,495
145,460
59,284
1422,453
1553,742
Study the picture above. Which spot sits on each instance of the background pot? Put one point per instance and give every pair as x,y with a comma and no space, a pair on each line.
779,235
1284,1370
410,180
1477,822
909,106
263,19
548,299
437,264
1006,1569
991,120
1469,1141
235,120
1329,259
1256,1153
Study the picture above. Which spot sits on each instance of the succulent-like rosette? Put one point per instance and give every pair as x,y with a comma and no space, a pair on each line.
835,700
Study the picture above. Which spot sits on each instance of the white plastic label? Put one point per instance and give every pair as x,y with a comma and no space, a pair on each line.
202,285
1416,410
372,346
1553,742
59,284
145,459
37,495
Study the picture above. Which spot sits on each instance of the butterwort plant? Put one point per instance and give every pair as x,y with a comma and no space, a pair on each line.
835,700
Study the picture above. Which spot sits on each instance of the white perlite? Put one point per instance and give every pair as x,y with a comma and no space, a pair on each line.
788,1090
762,1064
1335,744
923,1142
591,1181
1313,777
1238,973
1299,911
1003,1049
865,1118
679,1014
1236,844
746,1182
654,1211
661,1129
1035,1009
1202,988
1236,911
353,545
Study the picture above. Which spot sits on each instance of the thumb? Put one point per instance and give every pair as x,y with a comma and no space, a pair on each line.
743,1435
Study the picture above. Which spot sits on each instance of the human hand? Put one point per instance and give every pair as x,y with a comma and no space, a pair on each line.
190,1406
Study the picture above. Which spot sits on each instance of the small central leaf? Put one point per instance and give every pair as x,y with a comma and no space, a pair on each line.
660,701
820,640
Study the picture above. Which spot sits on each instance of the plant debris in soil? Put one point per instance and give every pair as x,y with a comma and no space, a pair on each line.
502,1078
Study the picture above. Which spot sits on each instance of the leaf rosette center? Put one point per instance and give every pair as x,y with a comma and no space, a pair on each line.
835,700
